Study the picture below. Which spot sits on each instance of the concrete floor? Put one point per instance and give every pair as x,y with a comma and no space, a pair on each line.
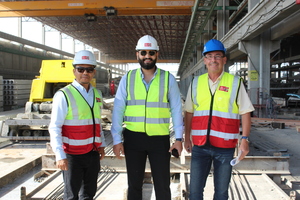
285,140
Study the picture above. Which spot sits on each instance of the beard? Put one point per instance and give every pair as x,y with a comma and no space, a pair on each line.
147,65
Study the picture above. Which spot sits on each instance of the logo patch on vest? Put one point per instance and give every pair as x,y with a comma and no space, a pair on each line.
98,99
224,88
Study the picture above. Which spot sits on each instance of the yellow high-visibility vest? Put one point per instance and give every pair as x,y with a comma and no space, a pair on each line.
148,111
216,117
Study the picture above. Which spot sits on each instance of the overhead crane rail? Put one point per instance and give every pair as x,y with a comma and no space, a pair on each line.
80,8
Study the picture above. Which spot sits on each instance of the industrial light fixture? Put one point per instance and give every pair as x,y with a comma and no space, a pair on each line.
90,17
110,11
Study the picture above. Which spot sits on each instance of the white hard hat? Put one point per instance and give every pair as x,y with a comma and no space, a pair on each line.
84,57
147,42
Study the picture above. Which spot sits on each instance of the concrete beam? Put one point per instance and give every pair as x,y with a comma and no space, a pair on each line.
10,177
262,17
286,27
250,165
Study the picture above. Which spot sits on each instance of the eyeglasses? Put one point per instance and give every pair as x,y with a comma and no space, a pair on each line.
217,57
87,69
151,53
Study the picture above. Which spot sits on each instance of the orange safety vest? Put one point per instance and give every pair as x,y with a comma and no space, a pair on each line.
216,119
81,131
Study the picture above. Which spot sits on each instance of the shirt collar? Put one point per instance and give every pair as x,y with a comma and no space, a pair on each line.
79,86
218,79
142,75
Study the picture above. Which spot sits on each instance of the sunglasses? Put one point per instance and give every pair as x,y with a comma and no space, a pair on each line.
87,69
151,53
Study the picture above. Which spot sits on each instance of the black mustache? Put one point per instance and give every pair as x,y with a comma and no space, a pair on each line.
147,59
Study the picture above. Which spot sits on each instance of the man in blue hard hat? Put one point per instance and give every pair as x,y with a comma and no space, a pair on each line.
214,104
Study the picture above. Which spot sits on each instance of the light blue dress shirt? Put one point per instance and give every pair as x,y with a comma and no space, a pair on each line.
120,105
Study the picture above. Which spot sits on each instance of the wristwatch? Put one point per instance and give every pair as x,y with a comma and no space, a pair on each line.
179,139
245,137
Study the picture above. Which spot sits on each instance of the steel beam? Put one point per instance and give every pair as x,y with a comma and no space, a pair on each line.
80,8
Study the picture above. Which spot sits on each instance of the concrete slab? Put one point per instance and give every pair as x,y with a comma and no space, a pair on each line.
111,186
18,159
287,139
247,187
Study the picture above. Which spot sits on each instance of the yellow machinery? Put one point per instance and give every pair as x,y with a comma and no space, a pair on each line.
54,74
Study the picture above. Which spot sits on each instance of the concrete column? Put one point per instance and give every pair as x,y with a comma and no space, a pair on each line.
73,47
222,19
99,56
258,51
60,41
20,27
43,34
228,64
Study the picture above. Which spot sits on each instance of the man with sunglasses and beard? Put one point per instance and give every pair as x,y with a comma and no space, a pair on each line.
75,130
146,99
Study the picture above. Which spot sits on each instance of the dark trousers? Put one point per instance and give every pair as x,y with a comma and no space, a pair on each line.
137,147
81,176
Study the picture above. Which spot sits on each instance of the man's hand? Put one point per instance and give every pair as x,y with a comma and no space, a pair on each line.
101,152
119,150
244,147
62,164
188,145
177,145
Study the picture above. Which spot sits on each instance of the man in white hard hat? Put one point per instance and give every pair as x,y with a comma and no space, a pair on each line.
215,101
146,99
75,130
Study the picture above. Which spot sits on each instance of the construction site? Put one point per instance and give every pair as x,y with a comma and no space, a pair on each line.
262,41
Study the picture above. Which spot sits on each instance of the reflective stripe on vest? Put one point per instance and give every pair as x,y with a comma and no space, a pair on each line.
148,111
82,127
216,116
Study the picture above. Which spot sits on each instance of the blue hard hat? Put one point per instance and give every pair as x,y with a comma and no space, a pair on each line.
213,45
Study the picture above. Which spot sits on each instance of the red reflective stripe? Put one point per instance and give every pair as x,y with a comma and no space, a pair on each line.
214,141
200,123
199,140
70,149
225,125
80,132
220,142
218,124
